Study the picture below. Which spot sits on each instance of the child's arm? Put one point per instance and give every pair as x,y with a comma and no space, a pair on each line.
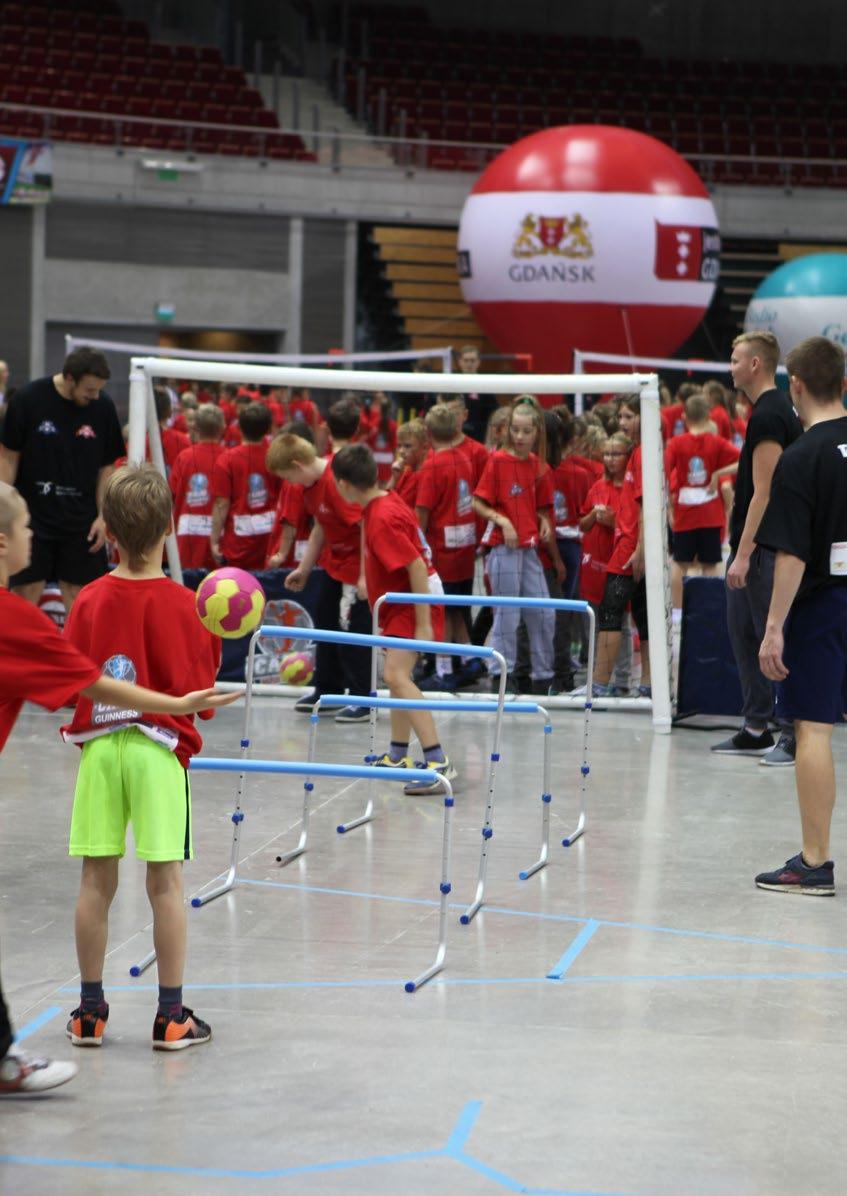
423,517
298,577
219,514
362,582
510,536
148,701
419,584
285,542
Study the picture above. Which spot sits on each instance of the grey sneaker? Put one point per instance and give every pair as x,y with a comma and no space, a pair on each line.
742,743
597,691
782,756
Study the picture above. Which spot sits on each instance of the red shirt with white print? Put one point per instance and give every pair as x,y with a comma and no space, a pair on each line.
242,477
629,513
191,487
690,462
445,490
598,541
289,507
517,488
147,632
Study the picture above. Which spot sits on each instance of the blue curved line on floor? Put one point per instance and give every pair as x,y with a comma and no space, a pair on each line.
37,1022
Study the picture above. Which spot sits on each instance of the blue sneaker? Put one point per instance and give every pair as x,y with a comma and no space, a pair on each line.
797,877
436,684
441,769
353,714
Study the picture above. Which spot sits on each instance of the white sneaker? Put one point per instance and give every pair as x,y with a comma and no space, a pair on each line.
26,1073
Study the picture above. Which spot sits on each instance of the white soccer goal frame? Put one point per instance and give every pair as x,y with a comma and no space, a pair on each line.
142,418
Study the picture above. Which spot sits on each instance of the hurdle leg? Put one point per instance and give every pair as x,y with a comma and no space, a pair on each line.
585,767
546,798
445,887
487,827
308,786
367,815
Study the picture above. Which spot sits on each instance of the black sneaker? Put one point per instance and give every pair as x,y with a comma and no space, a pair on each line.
797,877
306,704
176,1033
469,674
782,756
743,743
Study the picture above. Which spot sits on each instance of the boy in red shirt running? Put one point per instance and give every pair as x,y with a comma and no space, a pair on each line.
694,461
397,558
335,543
40,665
138,624
245,494
446,515
191,487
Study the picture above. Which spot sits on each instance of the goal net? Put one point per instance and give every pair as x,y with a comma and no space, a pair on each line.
146,369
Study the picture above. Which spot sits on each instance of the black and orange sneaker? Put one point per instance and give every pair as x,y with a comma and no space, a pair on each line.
85,1029
174,1034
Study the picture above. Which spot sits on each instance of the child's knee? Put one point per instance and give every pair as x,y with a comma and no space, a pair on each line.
164,878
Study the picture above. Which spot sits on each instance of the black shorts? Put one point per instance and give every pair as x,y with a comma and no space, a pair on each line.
815,655
67,559
619,592
465,587
701,543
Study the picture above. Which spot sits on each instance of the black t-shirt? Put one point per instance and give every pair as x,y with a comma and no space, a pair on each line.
773,418
807,512
62,449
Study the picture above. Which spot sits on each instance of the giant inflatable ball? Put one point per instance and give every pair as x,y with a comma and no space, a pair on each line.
588,237
805,297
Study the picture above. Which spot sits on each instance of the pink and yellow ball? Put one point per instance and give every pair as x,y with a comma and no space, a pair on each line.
297,669
230,603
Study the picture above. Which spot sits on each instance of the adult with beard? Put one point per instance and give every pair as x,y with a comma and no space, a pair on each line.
60,440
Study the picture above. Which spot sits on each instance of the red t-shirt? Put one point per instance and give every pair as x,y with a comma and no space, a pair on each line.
739,432
673,420
476,453
393,540
518,489
598,541
720,418
173,442
232,435
446,489
241,476
571,483
341,522
594,469
290,510
406,486
148,632
384,447
629,511
690,462
191,486
38,664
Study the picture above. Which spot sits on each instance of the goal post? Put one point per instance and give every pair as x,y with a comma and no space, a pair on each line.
145,369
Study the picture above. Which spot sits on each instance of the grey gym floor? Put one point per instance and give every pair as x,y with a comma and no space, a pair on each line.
695,1043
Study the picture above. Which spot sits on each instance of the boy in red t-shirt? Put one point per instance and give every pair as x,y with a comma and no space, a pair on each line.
245,494
378,430
446,515
191,487
173,442
397,558
39,665
335,543
694,462
412,450
137,624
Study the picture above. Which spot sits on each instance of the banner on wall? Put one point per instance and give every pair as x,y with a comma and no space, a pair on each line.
26,171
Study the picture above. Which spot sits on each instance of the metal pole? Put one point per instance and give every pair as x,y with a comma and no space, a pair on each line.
546,798
585,768
382,104
257,63
275,87
295,105
316,128
238,46
361,82
308,786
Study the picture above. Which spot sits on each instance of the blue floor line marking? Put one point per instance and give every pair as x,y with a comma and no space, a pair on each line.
574,950
36,1023
467,1119
505,1181
717,936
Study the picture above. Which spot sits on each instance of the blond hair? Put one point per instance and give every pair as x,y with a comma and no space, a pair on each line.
11,507
441,424
529,405
288,450
697,409
413,429
764,345
137,509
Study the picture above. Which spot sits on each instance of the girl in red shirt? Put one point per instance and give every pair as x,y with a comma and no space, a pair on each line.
599,515
515,494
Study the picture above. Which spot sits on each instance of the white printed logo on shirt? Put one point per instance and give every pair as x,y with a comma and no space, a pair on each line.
198,490
464,499
48,428
257,492
697,475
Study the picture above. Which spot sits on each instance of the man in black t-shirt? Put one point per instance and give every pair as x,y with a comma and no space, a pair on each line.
772,427
479,407
806,525
58,446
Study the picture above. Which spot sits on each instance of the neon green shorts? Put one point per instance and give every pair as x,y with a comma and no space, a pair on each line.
126,777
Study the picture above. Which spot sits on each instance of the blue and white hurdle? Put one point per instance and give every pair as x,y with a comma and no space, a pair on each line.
468,650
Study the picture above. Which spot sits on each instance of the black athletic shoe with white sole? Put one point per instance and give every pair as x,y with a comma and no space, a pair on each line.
795,876
743,743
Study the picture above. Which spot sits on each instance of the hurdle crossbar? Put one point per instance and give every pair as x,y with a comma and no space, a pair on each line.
357,772
466,650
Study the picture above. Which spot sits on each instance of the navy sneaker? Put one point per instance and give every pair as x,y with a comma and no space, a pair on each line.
436,684
353,714
796,876
742,743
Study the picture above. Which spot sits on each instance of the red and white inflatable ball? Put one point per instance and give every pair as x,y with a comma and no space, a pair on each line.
588,237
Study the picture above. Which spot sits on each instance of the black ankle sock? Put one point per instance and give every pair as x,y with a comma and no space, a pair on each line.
170,1000
91,995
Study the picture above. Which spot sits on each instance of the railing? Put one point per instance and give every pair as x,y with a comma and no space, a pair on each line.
343,151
